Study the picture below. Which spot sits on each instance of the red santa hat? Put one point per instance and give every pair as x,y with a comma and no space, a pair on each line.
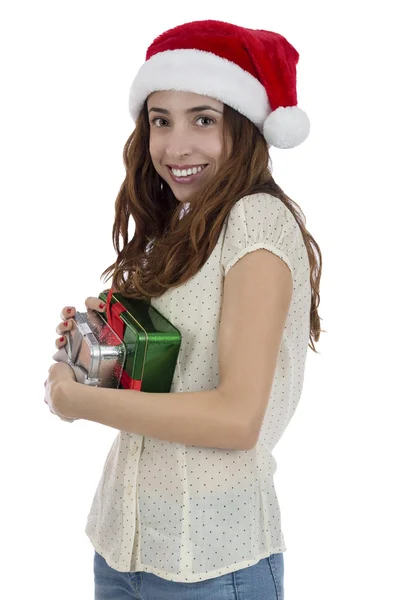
251,70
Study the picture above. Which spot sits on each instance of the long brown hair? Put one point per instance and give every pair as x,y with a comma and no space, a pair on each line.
168,248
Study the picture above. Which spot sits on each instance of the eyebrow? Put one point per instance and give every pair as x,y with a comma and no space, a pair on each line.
189,110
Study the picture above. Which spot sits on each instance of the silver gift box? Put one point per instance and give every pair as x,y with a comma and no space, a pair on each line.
94,351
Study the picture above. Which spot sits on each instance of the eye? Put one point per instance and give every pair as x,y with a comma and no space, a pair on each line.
153,121
207,118
156,119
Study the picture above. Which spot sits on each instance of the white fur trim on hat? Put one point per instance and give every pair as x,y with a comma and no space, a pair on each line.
202,73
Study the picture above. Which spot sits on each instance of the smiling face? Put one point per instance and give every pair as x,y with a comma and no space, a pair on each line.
185,132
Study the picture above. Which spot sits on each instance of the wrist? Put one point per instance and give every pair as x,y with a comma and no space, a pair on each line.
65,399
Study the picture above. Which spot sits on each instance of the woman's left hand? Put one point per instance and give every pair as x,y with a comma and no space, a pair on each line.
58,403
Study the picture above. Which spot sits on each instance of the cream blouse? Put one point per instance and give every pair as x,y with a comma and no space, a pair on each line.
188,513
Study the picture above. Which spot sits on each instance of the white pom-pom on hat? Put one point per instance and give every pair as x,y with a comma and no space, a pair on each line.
286,127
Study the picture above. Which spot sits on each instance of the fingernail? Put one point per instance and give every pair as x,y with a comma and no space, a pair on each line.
65,323
69,310
102,305
61,339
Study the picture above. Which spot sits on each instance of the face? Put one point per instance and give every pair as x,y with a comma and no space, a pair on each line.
185,132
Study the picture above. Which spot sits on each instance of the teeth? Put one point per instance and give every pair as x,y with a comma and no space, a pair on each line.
186,172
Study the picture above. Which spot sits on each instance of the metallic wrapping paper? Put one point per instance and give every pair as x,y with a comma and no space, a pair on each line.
95,350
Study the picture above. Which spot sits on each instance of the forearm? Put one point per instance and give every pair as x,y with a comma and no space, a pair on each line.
192,418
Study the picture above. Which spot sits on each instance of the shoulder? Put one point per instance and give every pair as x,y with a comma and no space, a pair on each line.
263,221
264,204
263,212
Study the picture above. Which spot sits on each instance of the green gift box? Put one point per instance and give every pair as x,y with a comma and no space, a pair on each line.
151,342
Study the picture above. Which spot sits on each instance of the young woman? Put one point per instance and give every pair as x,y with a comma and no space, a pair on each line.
186,506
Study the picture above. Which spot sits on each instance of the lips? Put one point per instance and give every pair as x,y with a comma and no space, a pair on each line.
185,167
188,178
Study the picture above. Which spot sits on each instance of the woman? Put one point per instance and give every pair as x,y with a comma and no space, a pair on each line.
186,506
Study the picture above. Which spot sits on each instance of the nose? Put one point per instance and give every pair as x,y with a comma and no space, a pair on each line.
178,144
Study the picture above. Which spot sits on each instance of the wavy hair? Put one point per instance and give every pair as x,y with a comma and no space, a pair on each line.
169,247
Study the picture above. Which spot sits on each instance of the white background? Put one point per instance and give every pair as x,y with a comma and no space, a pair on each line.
66,69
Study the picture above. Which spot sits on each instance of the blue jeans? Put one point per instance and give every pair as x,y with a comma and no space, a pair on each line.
262,581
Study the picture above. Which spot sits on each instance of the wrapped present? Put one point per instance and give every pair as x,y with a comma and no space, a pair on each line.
131,346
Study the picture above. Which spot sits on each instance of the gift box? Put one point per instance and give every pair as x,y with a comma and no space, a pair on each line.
151,342
130,346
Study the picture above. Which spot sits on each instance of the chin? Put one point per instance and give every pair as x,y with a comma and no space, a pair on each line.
181,197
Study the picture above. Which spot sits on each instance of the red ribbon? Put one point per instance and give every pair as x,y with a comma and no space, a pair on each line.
130,384
113,315
116,323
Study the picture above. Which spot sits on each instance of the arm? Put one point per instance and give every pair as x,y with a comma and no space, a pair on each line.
257,296
192,418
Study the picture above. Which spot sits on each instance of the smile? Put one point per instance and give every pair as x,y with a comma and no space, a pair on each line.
187,178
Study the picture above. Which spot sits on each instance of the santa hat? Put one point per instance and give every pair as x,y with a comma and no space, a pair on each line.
251,70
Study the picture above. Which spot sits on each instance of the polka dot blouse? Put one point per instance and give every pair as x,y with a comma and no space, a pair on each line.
188,513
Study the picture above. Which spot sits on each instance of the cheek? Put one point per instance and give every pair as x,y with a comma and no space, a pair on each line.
215,146
152,150
154,147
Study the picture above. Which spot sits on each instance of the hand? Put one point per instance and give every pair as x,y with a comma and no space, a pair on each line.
66,317
59,372
52,382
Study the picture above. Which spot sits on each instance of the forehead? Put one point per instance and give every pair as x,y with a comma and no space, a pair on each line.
174,99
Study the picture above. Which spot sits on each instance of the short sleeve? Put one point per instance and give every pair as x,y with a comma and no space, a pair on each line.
262,221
